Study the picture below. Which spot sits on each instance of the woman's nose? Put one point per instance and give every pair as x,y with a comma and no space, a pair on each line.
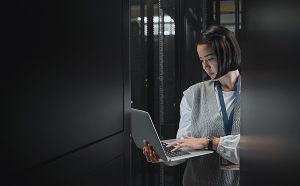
205,64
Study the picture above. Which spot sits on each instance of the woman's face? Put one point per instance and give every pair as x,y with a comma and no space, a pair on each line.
208,59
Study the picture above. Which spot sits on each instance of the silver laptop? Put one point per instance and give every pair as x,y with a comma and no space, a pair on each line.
142,128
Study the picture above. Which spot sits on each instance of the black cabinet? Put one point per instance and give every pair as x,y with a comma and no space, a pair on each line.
65,83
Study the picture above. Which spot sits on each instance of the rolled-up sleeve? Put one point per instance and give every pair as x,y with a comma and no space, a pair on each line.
228,148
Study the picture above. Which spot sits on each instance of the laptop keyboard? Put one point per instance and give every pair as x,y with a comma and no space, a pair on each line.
175,153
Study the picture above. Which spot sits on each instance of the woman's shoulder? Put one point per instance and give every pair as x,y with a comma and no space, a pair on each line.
198,87
192,93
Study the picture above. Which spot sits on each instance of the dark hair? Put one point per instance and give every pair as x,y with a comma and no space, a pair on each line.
226,47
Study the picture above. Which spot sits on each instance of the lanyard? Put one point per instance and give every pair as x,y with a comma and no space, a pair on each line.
228,121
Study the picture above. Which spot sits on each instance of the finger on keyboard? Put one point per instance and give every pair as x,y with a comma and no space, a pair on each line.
176,147
172,144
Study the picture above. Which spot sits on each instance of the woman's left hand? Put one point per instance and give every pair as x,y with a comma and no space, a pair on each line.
190,142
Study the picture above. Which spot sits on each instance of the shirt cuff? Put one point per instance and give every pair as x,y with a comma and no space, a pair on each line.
228,148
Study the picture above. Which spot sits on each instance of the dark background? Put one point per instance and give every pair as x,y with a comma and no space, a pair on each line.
270,101
66,90
66,93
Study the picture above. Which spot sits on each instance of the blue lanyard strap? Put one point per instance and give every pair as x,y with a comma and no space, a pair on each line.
228,121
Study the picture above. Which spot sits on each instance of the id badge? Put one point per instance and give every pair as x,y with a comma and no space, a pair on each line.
228,165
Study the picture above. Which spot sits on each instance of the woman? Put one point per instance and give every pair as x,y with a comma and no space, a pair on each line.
210,113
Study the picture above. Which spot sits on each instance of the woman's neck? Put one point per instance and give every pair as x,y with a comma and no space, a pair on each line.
228,81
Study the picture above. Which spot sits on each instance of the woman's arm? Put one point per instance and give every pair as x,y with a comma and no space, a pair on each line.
185,119
228,147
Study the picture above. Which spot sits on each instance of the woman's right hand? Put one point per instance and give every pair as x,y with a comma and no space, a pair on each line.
150,154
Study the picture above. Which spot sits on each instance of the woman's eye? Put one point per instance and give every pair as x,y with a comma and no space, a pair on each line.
210,59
